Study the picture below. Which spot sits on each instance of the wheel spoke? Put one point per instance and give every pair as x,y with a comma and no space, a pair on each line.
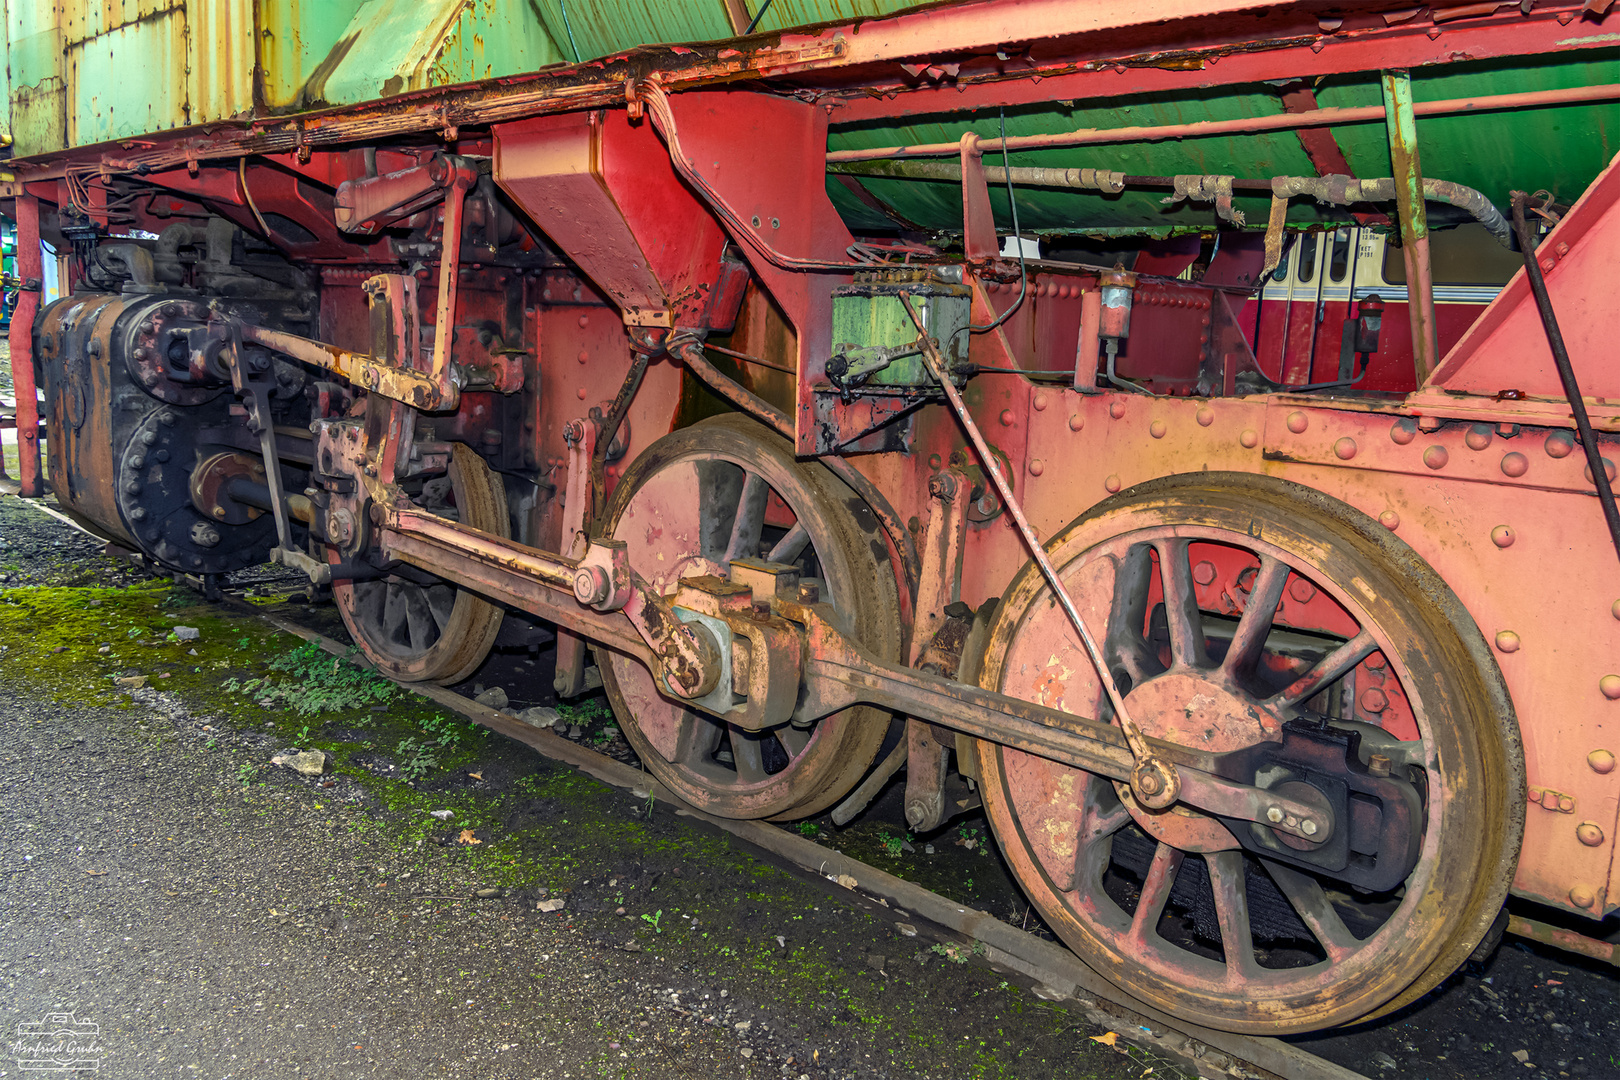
419,626
1161,876
1124,645
1185,623
441,602
1249,640
393,615
1330,668
793,740
790,547
1311,902
696,741
1232,911
748,755
749,519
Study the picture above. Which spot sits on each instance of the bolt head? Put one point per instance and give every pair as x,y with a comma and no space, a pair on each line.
1308,827
1274,814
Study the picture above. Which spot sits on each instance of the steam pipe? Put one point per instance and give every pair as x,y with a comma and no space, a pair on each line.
1578,95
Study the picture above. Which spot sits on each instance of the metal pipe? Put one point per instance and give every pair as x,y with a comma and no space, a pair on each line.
1338,190
1579,95
1566,373
1568,940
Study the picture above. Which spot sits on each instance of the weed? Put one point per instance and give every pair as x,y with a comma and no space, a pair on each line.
652,920
318,683
245,773
807,828
416,760
956,952
893,844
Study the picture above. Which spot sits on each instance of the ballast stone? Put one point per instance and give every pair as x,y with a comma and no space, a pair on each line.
308,762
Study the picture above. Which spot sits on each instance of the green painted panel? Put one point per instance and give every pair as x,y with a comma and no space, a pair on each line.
298,42
147,95
392,46
604,27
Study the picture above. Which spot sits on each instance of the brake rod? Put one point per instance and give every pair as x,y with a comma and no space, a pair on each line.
1153,781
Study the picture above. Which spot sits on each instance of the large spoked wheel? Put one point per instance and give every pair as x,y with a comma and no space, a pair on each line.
417,630
1224,603
695,500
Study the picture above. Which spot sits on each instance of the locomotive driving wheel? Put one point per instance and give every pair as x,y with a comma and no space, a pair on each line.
696,499
1236,612
417,629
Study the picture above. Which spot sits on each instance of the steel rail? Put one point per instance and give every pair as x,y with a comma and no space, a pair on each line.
1200,129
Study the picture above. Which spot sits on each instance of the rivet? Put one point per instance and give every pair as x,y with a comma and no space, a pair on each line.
1614,609
1117,409
1036,466
1298,422
1403,431
1546,268
1389,519
1560,444
580,393
1076,422
1478,437
1503,536
1157,429
584,321
584,356
1112,484
933,461
1345,448
1610,685
1507,641
1007,418
1608,469
1250,439
1301,590
1582,896
1589,833
1040,402
1204,572
1374,700
1515,464
1435,457
1206,417
1602,761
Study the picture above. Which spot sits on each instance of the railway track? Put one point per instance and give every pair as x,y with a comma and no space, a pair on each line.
1056,972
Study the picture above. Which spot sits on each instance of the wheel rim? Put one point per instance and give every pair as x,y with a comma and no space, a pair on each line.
420,631
727,489
1170,904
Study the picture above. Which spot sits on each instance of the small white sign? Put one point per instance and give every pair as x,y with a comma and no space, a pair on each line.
58,1042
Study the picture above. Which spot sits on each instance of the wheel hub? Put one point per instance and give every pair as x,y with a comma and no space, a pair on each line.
1191,709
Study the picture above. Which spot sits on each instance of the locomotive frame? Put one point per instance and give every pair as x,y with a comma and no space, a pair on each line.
1200,638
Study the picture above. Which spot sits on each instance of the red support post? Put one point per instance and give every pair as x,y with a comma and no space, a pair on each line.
29,268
